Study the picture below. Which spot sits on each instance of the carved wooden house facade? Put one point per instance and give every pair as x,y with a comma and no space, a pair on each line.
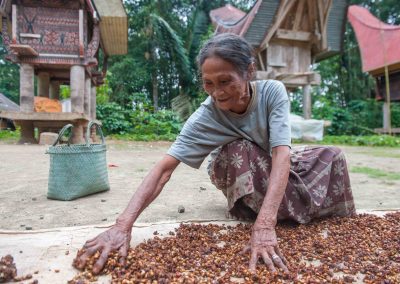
61,42
288,37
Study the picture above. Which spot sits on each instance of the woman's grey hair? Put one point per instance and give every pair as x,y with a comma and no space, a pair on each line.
229,47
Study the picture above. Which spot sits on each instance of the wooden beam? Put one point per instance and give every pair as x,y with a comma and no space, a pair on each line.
299,14
24,49
320,16
43,116
81,44
311,14
324,24
281,15
261,61
293,35
14,24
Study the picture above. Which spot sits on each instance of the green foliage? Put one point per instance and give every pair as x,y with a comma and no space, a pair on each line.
150,126
9,76
115,119
103,92
138,121
163,122
372,140
8,135
375,173
65,92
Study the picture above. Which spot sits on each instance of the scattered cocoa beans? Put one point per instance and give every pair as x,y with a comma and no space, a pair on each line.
333,250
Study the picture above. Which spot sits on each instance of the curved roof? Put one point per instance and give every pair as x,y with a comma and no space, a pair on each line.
379,42
7,104
224,20
227,15
113,26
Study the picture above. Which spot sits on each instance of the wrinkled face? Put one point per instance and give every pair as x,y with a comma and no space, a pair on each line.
225,85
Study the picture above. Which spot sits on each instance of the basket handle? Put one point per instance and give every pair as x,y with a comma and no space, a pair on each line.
61,134
91,123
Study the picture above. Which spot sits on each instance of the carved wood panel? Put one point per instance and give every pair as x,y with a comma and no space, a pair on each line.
49,30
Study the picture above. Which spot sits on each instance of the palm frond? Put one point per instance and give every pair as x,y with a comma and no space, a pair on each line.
167,38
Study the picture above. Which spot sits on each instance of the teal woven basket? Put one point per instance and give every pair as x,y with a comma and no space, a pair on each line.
79,169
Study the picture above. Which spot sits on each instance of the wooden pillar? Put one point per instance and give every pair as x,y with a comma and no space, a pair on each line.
26,93
26,87
88,90
307,102
93,112
43,84
93,103
387,123
55,90
77,85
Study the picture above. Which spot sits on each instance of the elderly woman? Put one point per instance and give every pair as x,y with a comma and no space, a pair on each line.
245,127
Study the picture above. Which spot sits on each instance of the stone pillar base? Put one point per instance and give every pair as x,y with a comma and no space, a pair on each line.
27,133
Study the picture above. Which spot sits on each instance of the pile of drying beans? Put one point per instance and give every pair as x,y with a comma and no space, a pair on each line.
364,248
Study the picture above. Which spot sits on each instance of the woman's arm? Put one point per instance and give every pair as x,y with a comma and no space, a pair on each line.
118,236
279,175
263,239
149,189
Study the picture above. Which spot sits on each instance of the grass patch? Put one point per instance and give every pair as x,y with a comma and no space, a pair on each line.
371,140
382,152
375,173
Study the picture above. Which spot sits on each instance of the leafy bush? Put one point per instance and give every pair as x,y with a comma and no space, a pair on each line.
10,135
162,122
360,117
138,123
115,119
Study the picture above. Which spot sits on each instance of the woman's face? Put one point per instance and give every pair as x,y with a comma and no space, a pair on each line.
225,85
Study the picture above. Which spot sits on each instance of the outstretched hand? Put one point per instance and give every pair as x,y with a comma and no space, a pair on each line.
263,244
114,239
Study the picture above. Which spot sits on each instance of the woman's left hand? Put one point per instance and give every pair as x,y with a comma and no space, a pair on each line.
263,243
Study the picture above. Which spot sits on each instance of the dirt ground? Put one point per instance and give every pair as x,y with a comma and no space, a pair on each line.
24,175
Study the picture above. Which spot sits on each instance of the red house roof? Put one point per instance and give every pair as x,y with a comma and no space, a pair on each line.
379,42
229,19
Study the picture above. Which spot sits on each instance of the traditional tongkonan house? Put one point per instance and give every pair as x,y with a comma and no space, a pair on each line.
288,36
61,42
379,45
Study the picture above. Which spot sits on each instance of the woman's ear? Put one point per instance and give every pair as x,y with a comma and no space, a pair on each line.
251,71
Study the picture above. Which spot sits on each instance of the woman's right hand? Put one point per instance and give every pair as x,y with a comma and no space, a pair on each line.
117,238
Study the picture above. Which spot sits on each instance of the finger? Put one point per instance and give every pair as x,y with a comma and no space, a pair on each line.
279,263
90,243
278,252
86,255
123,253
98,266
253,260
268,261
245,249
91,240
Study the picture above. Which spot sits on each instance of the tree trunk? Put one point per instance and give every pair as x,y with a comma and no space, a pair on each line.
154,79
155,90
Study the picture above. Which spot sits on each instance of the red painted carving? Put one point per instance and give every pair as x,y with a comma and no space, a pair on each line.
58,29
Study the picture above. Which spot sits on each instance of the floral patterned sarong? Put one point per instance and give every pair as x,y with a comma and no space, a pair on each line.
318,184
